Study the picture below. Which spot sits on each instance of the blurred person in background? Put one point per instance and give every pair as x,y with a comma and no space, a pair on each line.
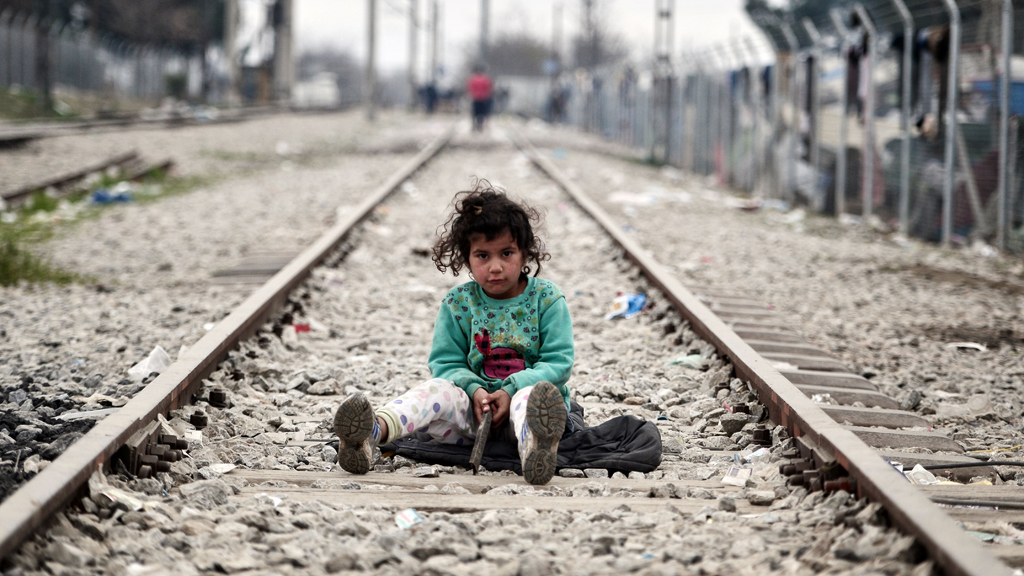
481,90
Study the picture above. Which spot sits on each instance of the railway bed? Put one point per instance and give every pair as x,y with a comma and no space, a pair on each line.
271,500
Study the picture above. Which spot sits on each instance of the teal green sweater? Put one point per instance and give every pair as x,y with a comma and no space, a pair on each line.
505,345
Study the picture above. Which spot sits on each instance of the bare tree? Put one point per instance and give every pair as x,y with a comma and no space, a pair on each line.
596,45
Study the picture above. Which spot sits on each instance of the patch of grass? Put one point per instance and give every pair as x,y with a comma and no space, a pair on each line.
25,105
17,263
39,202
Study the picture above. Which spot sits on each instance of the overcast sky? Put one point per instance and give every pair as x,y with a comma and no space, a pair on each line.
343,24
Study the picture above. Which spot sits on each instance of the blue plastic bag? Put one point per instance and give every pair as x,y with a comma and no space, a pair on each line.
627,306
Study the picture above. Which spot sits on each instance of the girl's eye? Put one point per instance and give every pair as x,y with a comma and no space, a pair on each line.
507,253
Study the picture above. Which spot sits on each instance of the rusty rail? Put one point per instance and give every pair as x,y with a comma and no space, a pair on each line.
19,195
56,486
947,544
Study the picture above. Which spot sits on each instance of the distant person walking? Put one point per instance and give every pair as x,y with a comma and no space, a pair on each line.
481,91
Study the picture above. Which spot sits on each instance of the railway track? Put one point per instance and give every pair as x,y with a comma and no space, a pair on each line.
129,164
18,134
292,380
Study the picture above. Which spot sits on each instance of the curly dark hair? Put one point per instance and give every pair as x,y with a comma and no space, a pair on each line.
488,211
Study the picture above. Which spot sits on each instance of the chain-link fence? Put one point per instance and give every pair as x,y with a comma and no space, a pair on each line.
851,117
79,60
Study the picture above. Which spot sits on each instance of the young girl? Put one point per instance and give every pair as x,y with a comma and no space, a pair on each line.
502,344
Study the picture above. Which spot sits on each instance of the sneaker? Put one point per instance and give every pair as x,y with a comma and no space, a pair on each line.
545,422
353,423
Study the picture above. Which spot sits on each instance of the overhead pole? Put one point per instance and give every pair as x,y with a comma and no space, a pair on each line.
433,42
726,121
868,154
908,62
413,48
844,45
485,29
776,118
794,127
370,91
757,101
952,91
283,76
742,90
231,51
1004,127
814,87
663,47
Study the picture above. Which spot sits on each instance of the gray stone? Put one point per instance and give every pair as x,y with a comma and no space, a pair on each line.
66,554
571,473
760,497
596,473
17,396
329,454
701,493
323,387
425,472
206,494
726,503
732,423
667,490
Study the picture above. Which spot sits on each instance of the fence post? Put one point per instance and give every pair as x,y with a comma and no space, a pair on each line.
794,121
867,161
775,120
756,101
740,106
814,86
5,51
908,62
951,124
726,118
844,46
28,52
1004,126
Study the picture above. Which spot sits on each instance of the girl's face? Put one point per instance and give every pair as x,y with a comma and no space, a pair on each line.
496,265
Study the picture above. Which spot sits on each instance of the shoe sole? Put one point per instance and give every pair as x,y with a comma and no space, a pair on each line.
353,424
545,417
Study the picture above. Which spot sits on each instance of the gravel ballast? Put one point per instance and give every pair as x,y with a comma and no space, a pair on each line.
897,312
66,349
371,317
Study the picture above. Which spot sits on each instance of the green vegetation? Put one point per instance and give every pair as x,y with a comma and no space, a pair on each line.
25,105
18,263
30,225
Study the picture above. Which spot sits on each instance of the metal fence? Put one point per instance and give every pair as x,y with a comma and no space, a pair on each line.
85,61
859,113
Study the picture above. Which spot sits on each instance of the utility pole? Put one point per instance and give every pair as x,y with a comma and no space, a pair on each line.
556,45
589,33
413,45
664,36
283,72
556,33
231,51
370,92
433,43
45,16
485,21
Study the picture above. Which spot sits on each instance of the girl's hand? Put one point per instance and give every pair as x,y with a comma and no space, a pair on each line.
499,403
481,404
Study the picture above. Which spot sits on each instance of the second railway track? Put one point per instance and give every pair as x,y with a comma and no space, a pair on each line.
257,489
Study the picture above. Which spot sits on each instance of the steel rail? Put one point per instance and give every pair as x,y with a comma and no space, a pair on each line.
57,485
951,548
19,195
